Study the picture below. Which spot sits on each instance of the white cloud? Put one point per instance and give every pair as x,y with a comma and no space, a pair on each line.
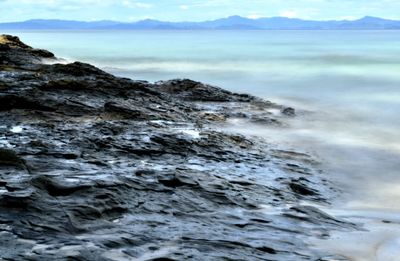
195,10
254,16
138,18
289,14
348,17
134,4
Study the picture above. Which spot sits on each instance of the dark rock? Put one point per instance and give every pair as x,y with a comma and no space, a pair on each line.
123,169
196,91
124,111
10,102
77,69
267,249
13,51
56,189
302,189
289,111
13,42
42,53
64,84
10,158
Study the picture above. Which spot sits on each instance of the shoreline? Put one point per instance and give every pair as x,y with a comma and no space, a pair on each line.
139,170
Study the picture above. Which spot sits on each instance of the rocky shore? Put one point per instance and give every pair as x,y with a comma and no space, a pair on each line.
96,167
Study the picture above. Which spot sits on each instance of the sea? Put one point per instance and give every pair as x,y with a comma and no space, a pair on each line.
344,85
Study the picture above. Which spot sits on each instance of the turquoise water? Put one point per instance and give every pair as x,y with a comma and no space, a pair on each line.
351,76
302,64
355,68
345,85
349,79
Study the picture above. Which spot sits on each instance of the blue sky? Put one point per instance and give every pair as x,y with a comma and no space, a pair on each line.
194,10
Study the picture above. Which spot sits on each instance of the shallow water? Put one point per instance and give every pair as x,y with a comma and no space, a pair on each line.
345,85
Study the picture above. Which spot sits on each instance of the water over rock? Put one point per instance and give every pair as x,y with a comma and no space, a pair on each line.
96,167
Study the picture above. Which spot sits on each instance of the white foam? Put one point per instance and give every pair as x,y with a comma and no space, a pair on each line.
16,129
5,143
389,250
146,139
196,167
56,61
192,133
380,243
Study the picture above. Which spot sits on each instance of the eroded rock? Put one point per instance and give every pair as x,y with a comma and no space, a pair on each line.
128,170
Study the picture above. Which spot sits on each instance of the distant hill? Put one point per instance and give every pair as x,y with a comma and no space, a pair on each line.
229,23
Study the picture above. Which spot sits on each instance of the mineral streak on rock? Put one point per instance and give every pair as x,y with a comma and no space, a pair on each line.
96,167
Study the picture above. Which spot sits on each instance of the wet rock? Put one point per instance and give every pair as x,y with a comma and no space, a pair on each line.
10,102
313,215
333,258
289,111
195,91
214,117
124,111
129,170
12,41
10,158
57,189
64,84
265,120
301,189
15,52
77,69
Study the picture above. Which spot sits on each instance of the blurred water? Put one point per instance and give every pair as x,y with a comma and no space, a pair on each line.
346,85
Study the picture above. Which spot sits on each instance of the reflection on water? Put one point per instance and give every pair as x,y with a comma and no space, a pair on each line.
346,85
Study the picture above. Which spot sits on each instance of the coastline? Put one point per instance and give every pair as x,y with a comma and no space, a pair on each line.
105,168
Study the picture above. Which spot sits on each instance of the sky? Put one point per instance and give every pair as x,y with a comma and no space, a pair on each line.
194,10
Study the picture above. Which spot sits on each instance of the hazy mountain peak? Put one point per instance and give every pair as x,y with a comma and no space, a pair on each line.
372,18
234,22
236,17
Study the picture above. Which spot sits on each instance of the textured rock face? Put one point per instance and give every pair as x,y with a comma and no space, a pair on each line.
15,52
95,167
195,91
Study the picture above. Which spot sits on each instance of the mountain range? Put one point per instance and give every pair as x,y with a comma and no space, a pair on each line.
229,23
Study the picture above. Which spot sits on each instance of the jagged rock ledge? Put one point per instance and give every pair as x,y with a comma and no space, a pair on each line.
96,167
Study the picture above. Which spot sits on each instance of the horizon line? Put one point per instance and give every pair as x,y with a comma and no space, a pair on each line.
183,21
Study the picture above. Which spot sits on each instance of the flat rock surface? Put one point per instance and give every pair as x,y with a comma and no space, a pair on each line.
96,167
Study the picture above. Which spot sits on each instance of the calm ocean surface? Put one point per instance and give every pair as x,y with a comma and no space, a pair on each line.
345,85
